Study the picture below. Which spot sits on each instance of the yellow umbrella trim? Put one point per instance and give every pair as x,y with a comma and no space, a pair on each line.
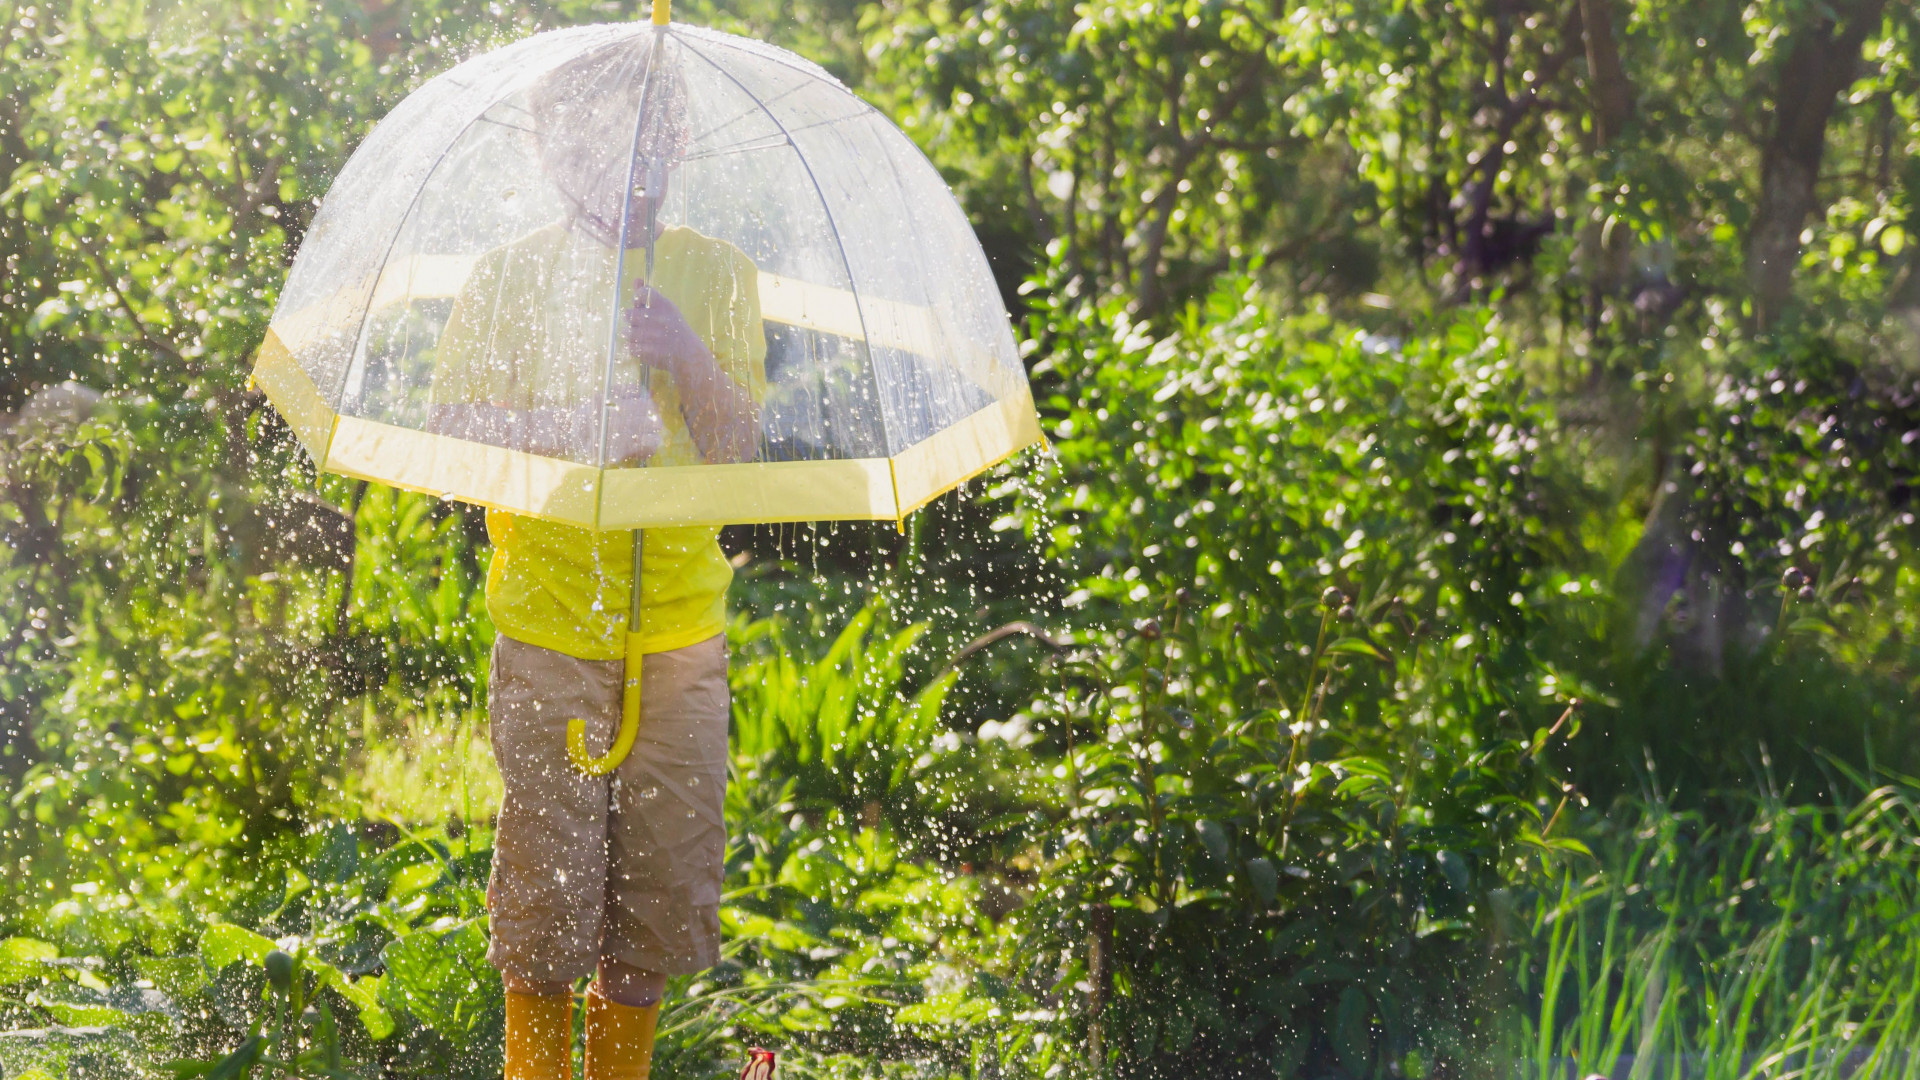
877,489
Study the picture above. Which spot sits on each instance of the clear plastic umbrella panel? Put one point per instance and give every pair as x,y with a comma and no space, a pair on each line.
469,314
640,276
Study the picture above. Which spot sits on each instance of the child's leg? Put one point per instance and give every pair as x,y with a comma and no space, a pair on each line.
619,1037
628,985
666,840
534,987
666,844
539,1036
548,888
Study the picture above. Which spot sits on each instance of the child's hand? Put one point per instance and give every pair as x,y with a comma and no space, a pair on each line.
720,416
658,335
634,429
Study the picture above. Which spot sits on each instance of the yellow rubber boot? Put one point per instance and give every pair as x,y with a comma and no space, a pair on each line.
619,1039
539,1036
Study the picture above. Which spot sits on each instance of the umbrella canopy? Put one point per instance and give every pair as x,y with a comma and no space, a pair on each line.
467,315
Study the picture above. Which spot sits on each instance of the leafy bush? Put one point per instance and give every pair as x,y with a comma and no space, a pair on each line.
179,739
837,726
1245,463
1768,593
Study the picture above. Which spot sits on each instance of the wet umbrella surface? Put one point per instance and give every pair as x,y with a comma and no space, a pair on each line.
477,311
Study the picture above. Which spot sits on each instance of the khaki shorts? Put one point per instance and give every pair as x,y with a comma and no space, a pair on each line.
626,866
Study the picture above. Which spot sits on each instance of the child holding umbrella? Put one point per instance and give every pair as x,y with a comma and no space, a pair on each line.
616,876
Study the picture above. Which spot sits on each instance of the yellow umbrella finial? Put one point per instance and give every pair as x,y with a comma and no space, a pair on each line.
662,12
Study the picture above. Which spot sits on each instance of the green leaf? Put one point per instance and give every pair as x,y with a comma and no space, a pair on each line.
364,994
225,943
339,857
22,958
1325,971
443,979
1213,837
1358,785
1559,843
949,1011
1352,1041
1809,624
240,1063
415,879
1357,646
80,1013
1290,1052
177,976
1264,878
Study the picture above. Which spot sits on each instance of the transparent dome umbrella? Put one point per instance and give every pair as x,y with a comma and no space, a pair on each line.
636,276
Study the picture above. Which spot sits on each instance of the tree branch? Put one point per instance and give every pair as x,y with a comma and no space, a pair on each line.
1167,200
152,340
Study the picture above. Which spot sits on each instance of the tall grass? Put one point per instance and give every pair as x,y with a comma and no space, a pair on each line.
424,767
1780,947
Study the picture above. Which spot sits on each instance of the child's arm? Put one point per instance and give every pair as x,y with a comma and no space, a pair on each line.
722,417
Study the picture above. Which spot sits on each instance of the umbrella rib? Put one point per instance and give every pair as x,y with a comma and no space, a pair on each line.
725,124
782,95
511,107
620,260
830,121
945,364
846,264
772,55
366,312
769,144
736,148
508,126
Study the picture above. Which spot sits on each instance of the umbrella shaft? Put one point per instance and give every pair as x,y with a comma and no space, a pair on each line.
633,605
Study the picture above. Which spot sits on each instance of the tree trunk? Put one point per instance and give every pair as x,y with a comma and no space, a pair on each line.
1612,93
1820,62
1100,976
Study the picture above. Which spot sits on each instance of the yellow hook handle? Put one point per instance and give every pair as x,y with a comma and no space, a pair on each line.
629,723
662,12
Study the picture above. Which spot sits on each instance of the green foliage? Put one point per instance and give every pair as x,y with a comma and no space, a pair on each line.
1150,144
175,662
1307,906
442,978
1613,168
1770,580
1244,464
341,980
838,726
1413,369
1767,932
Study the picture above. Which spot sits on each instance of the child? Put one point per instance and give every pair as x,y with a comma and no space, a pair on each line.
615,876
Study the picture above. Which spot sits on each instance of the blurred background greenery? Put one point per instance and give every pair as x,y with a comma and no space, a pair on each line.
1464,626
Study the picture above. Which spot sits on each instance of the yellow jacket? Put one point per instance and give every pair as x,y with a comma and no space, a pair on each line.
530,330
